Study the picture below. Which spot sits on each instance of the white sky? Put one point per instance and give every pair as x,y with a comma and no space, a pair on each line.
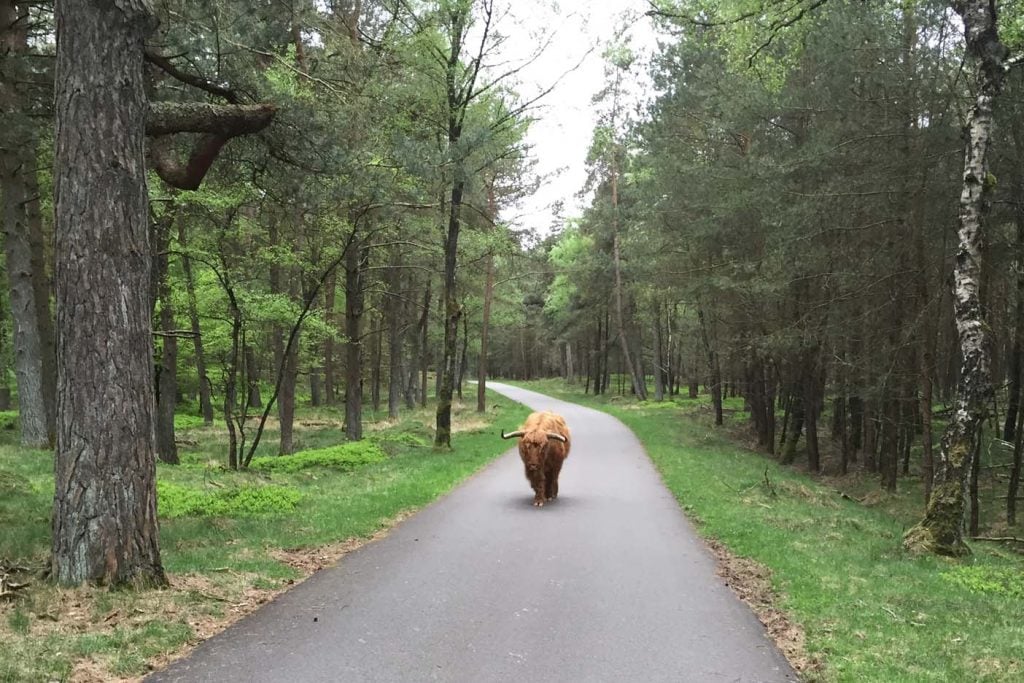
565,119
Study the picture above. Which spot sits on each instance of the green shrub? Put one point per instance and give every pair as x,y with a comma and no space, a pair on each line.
182,421
1002,581
8,420
407,439
174,500
346,457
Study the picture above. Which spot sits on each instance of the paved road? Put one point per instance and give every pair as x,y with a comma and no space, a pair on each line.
608,583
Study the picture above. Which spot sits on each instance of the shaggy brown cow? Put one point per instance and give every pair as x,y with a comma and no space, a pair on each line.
543,446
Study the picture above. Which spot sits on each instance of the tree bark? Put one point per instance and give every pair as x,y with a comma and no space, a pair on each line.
1013,487
392,314
330,383
355,262
485,326
659,362
17,164
252,375
167,376
941,530
104,514
452,313
205,388
713,366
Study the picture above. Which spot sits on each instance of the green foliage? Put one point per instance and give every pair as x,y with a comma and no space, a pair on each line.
182,422
344,457
175,500
8,420
1005,582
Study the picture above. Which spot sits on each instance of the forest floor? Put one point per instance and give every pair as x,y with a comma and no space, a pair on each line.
230,540
829,548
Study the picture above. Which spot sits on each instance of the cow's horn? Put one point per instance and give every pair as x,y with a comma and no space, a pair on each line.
510,435
552,435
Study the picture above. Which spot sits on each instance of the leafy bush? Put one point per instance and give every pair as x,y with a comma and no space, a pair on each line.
174,500
346,457
407,439
8,419
1004,581
188,421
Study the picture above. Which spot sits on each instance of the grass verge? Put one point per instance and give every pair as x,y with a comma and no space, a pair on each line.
870,612
230,540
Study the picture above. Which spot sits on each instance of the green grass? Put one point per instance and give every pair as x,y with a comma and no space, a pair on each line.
222,532
870,611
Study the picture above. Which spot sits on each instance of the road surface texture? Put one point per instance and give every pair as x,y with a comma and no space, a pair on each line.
607,583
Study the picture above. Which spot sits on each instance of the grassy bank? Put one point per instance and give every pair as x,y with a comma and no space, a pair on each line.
230,540
870,611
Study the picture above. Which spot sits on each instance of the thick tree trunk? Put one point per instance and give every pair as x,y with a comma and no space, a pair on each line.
205,389
941,530
104,514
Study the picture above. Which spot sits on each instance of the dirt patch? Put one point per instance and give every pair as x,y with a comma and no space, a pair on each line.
751,581
469,424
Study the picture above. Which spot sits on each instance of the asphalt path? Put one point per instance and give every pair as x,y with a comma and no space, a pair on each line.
607,583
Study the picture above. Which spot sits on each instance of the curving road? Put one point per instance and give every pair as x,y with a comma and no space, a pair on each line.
608,583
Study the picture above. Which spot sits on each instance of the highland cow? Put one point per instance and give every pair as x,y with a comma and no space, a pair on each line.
543,446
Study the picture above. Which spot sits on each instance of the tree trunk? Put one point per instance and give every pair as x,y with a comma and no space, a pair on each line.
330,383
252,373
205,400
1013,488
424,353
452,313
355,262
1017,349
286,396
392,311
376,363
17,164
941,530
104,514
316,397
713,366
659,357
167,376
485,326
975,518
810,399
463,356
